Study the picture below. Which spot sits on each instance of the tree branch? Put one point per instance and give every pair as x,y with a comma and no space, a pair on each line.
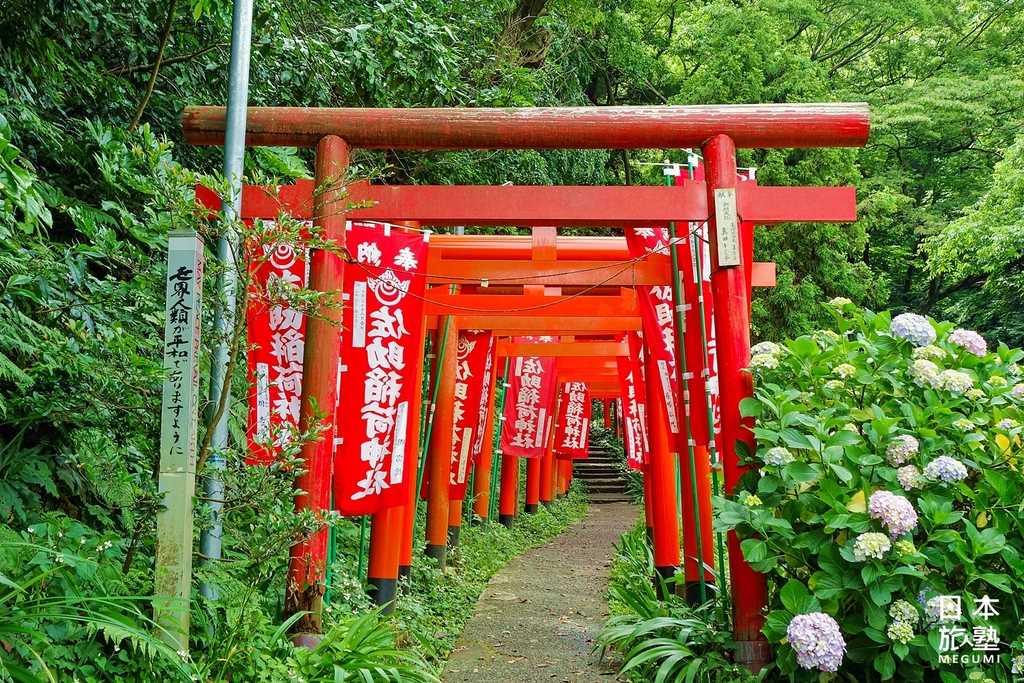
164,37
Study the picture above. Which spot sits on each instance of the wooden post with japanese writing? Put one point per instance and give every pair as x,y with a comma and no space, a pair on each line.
178,427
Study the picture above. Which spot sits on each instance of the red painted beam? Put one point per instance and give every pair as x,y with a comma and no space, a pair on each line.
444,303
508,325
641,127
763,205
563,349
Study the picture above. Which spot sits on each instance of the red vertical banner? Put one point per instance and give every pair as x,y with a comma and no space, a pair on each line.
489,369
528,405
572,430
276,336
474,347
383,321
657,312
634,404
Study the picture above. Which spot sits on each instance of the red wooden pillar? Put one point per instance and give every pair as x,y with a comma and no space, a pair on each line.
482,481
606,406
533,467
307,564
413,455
440,453
385,551
648,503
509,500
662,470
732,328
547,470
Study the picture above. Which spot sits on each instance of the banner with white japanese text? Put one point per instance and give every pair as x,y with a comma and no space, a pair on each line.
528,404
633,402
383,323
572,430
276,335
657,313
471,379
489,369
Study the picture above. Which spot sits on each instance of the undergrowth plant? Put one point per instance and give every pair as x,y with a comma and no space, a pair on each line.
662,640
885,500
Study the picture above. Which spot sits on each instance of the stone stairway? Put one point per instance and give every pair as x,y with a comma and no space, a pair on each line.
601,476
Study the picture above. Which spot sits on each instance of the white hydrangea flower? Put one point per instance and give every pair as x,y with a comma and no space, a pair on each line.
771,348
929,352
871,545
955,381
763,360
925,373
844,370
839,302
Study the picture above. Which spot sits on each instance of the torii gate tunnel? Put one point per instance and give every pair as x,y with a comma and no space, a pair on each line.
547,266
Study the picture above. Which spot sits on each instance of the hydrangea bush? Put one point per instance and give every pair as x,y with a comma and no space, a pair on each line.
888,474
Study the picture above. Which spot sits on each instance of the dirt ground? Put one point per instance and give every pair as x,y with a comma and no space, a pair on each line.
538,617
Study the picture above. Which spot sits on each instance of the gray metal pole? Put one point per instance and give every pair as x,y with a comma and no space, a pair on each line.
224,322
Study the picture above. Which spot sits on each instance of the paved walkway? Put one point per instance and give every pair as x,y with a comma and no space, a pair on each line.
537,619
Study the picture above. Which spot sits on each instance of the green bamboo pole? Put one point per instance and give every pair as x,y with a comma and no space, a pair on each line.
433,397
678,299
499,411
696,253
363,524
329,575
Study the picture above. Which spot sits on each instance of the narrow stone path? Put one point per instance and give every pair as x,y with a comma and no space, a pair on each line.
537,619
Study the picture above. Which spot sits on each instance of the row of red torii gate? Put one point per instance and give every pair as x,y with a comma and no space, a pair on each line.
648,318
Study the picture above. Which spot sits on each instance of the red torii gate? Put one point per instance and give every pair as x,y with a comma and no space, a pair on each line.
718,130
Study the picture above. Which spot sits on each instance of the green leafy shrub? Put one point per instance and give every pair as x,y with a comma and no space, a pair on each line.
889,475
662,640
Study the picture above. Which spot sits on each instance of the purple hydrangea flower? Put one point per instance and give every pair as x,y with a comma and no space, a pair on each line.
901,449
945,469
1017,391
969,340
914,328
817,641
895,512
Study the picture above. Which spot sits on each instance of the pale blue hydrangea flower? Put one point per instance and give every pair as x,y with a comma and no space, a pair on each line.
945,469
896,513
817,641
1006,424
929,352
1018,665
763,360
1017,391
900,632
955,381
925,373
871,545
914,328
778,457
844,370
909,477
771,348
969,340
902,448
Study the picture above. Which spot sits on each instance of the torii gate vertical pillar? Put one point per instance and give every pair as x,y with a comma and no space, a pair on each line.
307,565
732,327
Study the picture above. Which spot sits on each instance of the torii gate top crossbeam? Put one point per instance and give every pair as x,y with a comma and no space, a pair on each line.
660,127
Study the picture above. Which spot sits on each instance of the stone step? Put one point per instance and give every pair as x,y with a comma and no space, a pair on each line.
599,498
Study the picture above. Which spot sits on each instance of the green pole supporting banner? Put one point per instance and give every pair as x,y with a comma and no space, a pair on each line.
361,559
499,412
331,553
433,397
678,300
695,254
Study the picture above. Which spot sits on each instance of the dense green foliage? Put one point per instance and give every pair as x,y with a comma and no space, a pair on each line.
845,416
